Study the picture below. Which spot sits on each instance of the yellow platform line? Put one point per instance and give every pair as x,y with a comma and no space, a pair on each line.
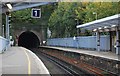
29,62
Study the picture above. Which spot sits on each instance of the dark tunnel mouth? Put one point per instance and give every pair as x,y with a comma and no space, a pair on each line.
28,40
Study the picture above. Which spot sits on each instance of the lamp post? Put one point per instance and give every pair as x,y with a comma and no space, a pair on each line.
3,31
96,15
74,38
97,34
77,24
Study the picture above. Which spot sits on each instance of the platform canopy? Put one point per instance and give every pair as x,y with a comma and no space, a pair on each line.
19,5
101,24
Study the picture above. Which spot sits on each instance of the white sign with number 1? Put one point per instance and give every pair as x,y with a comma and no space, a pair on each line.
36,13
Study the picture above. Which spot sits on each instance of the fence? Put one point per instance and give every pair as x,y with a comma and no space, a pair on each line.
3,44
85,42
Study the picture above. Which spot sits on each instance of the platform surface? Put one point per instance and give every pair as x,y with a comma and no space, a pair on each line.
107,55
18,60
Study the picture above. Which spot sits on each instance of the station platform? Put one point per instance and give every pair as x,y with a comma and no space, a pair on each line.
18,60
106,55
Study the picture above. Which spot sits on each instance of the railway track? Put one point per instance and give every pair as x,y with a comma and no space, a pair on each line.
86,68
58,67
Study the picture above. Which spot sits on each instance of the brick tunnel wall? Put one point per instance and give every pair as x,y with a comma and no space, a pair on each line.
39,34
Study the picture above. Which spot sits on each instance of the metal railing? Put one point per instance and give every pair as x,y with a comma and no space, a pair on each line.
3,44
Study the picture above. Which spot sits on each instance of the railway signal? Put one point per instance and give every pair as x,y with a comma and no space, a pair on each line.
9,19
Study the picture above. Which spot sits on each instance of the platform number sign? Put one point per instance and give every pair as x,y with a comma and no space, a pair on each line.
36,13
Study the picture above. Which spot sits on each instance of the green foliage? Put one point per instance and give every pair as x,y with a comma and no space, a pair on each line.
23,18
63,22
63,17
101,9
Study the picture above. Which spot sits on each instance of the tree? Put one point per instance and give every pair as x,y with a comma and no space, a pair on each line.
102,9
22,18
62,21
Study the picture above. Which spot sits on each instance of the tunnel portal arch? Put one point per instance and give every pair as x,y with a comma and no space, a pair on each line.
28,39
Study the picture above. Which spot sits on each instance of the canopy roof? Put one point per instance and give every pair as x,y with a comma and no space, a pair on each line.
20,5
108,22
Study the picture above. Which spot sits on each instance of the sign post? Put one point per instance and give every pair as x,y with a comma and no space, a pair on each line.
36,13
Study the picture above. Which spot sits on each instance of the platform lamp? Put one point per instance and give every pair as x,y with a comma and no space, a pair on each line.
9,5
96,17
95,13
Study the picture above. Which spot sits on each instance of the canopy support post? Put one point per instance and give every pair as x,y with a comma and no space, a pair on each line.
98,41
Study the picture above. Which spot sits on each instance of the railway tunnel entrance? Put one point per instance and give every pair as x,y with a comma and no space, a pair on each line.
28,40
